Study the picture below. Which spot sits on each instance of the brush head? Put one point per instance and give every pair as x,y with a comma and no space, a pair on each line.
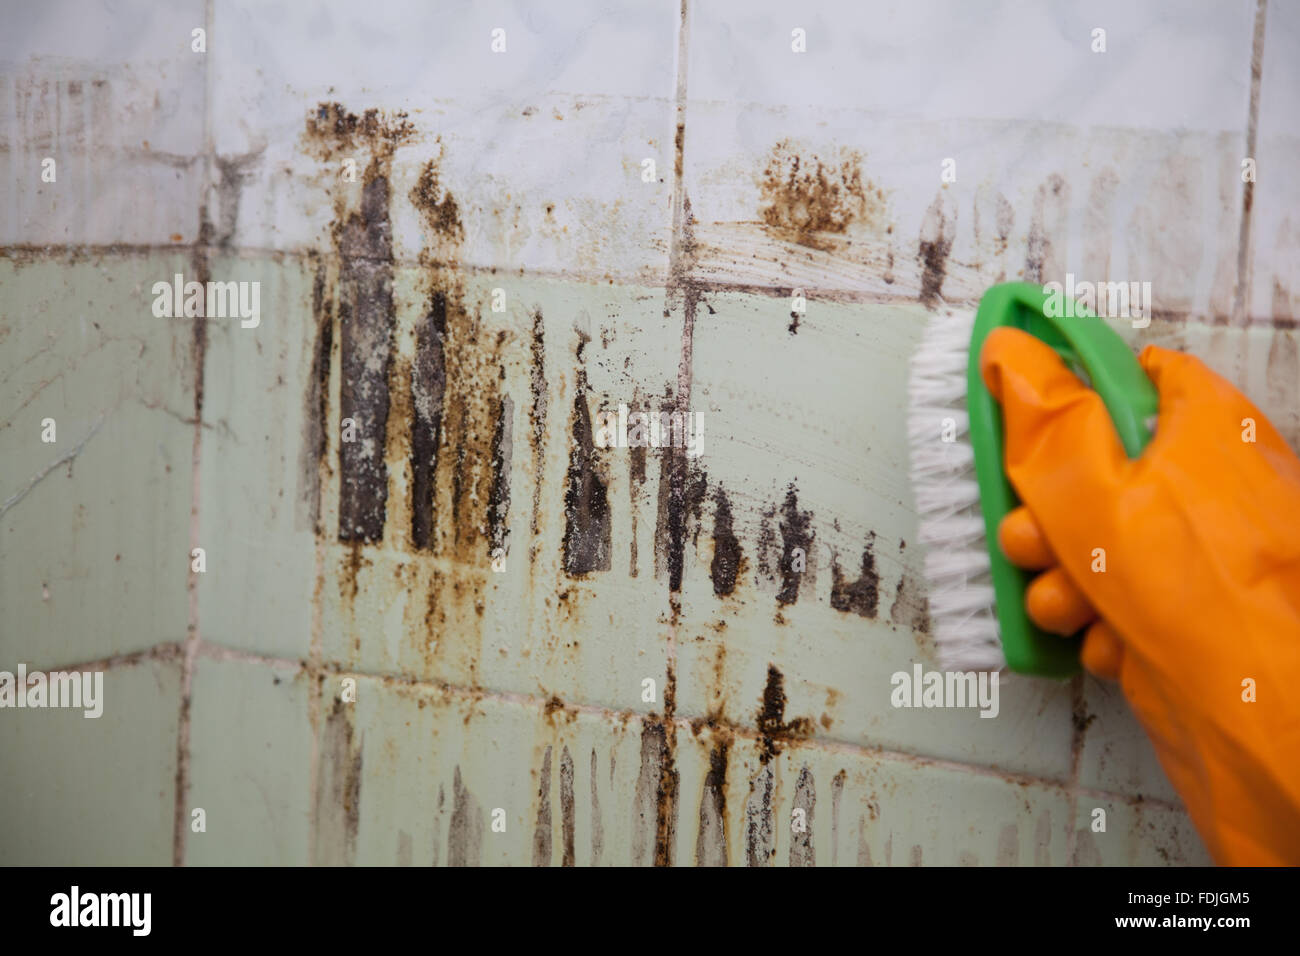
957,567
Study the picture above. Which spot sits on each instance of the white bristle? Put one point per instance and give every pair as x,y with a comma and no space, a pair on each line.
957,568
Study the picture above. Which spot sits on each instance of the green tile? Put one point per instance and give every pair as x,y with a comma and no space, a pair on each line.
97,526
250,764
100,791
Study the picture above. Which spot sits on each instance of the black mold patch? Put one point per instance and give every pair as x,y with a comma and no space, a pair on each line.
859,597
932,253
772,726
796,532
316,400
502,452
428,384
537,414
727,554
681,495
586,500
366,322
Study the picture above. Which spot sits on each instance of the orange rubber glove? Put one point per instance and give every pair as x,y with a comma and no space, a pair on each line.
1197,609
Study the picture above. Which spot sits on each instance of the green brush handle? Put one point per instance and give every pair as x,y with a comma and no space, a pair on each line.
1087,343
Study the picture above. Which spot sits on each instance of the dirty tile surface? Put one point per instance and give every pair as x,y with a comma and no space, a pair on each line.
434,621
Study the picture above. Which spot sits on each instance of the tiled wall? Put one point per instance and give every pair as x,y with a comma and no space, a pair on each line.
498,589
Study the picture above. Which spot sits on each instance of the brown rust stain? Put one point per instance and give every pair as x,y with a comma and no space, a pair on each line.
858,597
338,795
332,131
654,809
803,196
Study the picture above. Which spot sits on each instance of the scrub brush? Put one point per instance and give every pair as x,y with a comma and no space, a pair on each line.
977,596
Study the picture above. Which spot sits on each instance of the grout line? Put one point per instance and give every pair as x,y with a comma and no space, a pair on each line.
200,253
1078,729
1248,189
206,649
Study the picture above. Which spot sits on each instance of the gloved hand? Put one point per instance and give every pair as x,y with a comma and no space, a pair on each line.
1199,599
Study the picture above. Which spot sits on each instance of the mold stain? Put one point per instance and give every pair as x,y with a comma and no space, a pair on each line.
366,322
568,814
428,385
363,242
911,608
682,488
728,558
773,729
537,419
796,533
804,197
636,488
937,233
465,838
858,597
316,402
586,497
597,824
338,795
864,850
654,809
457,402
837,796
802,852
542,831
711,842
760,833
437,825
